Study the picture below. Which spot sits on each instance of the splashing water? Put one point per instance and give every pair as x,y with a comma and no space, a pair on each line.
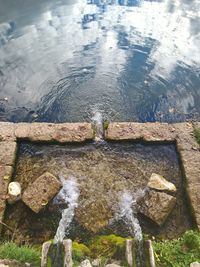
128,212
69,194
97,119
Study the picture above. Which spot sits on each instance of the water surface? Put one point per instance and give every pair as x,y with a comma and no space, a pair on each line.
132,60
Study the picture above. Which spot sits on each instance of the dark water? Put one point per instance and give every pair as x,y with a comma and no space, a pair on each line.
132,60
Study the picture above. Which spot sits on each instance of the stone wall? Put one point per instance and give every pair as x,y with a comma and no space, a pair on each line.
181,134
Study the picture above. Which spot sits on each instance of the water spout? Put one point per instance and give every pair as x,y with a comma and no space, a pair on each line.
128,212
69,194
97,120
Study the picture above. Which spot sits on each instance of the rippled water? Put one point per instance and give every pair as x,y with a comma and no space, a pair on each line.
129,59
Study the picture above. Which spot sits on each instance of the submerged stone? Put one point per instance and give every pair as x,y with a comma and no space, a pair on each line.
41,191
158,182
157,206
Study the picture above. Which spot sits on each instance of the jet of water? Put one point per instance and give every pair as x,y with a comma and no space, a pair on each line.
97,120
69,194
128,212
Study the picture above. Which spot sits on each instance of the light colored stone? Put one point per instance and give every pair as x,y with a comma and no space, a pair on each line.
96,262
22,130
68,253
195,264
158,182
45,249
85,263
150,253
151,132
112,265
129,252
41,191
7,131
8,153
5,177
14,192
157,206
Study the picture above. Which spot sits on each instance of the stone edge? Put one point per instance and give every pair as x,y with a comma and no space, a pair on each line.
181,134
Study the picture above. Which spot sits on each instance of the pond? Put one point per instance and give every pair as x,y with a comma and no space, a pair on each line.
131,60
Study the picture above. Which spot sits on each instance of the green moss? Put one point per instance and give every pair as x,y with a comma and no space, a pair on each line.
178,252
22,254
107,247
197,135
105,125
79,252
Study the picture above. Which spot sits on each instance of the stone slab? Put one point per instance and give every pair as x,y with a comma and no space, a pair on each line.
157,206
5,178
151,132
7,132
8,151
37,195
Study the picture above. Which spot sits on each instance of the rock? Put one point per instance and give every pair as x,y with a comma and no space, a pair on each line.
13,263
85,263
128,252
14,192
96,262
45,249
112,265
158,182
7,153
5,177
68,262
195,264
157,206
41,191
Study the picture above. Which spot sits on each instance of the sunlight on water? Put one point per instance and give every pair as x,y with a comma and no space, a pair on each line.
137,60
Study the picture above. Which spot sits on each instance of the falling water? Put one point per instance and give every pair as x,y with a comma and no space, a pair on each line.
69,194
98,124
128,212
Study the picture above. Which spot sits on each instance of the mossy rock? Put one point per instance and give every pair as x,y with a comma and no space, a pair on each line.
79,252
108,247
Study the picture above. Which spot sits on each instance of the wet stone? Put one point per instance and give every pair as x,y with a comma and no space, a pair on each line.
41,191
157,206
158,182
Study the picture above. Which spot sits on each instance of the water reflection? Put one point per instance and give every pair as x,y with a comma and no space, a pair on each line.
130,59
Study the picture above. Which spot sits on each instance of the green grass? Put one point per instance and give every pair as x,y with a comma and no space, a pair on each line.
178,252
22,254
197,135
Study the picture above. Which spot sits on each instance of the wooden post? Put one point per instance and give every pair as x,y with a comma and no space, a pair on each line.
68,253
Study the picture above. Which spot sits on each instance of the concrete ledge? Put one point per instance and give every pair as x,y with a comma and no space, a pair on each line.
181,134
